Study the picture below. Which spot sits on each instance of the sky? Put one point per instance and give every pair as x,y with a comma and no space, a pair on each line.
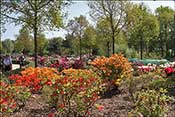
81,8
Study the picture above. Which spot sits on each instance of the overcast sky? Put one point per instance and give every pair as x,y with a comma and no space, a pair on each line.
81,8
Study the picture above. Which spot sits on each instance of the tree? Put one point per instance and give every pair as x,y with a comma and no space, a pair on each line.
142,28
42,43
2,21
54,45
23,41
103,37
34,14
114,12
77,27
1,47
7,46
165,17
89,39
68,46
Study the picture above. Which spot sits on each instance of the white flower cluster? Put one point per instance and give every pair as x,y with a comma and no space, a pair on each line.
170,64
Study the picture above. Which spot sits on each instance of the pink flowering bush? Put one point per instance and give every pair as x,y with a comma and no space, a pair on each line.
65,63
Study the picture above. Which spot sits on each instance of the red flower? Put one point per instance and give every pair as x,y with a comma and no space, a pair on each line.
169,70
51,115
61,105
48,82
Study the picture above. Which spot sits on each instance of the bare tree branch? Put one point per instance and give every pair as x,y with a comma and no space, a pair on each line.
46,3
13,18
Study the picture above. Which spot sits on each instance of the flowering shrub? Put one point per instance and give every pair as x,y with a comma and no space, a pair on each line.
78,64
169,71
76,91
35,78
113,69
12,98
143,69
42,60
64,63
151,103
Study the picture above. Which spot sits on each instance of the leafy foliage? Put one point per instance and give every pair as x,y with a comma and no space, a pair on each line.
112,69
76,92
151,103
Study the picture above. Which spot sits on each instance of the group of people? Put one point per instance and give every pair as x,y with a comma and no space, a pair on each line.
6,62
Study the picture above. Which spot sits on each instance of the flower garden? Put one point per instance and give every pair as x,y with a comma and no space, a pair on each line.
104,86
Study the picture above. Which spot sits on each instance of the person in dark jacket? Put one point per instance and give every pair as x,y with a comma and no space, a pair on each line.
21,61
7,61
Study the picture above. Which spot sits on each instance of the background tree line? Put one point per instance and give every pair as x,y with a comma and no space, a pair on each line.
120,26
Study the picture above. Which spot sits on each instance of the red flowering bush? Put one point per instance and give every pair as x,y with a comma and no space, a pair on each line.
12,98
76,91
169,71
35,78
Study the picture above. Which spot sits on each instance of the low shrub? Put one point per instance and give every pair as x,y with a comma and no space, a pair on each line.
35,78
112,69
16,71
150,103
75,92
64,63
12,97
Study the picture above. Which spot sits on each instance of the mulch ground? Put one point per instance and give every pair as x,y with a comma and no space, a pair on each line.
116,104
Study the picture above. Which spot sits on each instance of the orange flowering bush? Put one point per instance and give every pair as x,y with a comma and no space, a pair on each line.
112,69
35,78
76,92
12,98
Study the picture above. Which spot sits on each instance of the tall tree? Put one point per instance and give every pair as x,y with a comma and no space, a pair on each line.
23,41
1,47
103,37
89,39
54,45
165,17
8,46
77,27
42,43
142,27
113,11
34,14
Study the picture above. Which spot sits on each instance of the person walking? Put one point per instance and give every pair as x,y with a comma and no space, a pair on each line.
7,63
1,63
21,61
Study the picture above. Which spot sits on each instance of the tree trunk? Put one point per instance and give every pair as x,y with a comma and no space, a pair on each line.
174,37
141,46
108,49
80,47
35,37
113,42
166,42
161,40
